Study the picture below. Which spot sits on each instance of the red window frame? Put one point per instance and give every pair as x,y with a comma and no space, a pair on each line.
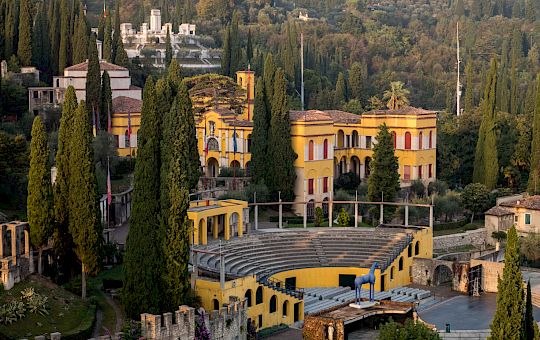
311,185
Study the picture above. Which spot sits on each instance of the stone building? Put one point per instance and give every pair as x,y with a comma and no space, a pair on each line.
520,211
16,260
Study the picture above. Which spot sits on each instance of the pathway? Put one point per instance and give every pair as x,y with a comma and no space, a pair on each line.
98,324
117,312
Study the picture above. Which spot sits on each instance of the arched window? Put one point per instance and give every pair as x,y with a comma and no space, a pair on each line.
409,250
273,304
355,139
126,139
212,127
430,139
395,139
400,268
420,140
310,150
248,297
417,248
259,296
285,307
215,302
325,149
407,140
212,144
391,273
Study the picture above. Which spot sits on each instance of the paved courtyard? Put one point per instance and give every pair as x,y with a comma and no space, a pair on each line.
464,312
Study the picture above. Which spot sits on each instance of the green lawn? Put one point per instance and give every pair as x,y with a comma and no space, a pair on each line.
468,226
68,314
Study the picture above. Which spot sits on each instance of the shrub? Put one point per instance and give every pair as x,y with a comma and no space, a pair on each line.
437,187
418,188
319,216
411,330
347,181
343,218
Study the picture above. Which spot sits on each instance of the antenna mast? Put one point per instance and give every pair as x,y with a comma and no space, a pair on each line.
302,68
458,84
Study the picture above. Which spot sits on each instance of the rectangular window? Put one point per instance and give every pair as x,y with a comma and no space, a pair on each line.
420,172
368,142
310,186
260,321
406,172
117,140
325,184
36,94
516,218
430,171
527,219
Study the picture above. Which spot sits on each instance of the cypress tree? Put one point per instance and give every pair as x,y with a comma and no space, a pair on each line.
84,223
259,137
249,48
356,81
107,40
486,167
39,202
174,76
177,13
282,172
226,56
54,36
507,322
533,186
11,28
340,96
268,77
101,26
168,49
469,87
63,241
105,101
144,255
121,57
63,53
24,51
41,41
384,176
235,50
530,327
81,54
178,185
93,80
116,34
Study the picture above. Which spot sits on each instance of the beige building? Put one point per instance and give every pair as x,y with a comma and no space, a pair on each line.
522,212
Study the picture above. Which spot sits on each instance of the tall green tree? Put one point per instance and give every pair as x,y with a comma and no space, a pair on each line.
340,96
486,166
54,35
40,209
507,322
534,175
41,41
121,57
268,78
93,81
226,56
235,49
107,40
357,77
143,264
116,34
249,48
282,155
81,38
24,51
530,327
259,137
105,101
174,76
384,176
63,241
178,225
168,49
64,48
84,222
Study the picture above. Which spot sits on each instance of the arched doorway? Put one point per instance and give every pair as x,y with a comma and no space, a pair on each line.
340,139
367,164
235,164
311,209
212,169
441,275
285,307
233,221
343,165
248,297
355,165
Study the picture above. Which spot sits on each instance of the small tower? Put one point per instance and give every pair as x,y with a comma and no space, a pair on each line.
155,20
246,80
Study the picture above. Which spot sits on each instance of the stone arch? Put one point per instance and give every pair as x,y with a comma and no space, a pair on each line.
272,306
285,307
212,167
235,164
441,274
249,297
340,139
355,165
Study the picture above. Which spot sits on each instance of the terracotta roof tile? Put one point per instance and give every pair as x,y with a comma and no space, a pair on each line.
309,115
125,104
342,116
498,211
103,65
408,110
531,202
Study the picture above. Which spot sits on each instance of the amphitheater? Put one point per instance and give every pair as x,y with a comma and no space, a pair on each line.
311,269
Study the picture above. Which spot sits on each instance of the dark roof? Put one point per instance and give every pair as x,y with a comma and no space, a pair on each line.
309,116
408,110
126,104
498,211
343,117
531,202
103,65
235,122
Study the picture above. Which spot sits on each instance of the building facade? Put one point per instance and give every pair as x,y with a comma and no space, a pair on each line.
519,211
42,98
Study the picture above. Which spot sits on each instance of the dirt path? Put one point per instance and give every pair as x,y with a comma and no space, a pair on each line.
99,322
117,311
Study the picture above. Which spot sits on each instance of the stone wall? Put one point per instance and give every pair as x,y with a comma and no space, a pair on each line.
475,237
228,323
316,328
490,273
